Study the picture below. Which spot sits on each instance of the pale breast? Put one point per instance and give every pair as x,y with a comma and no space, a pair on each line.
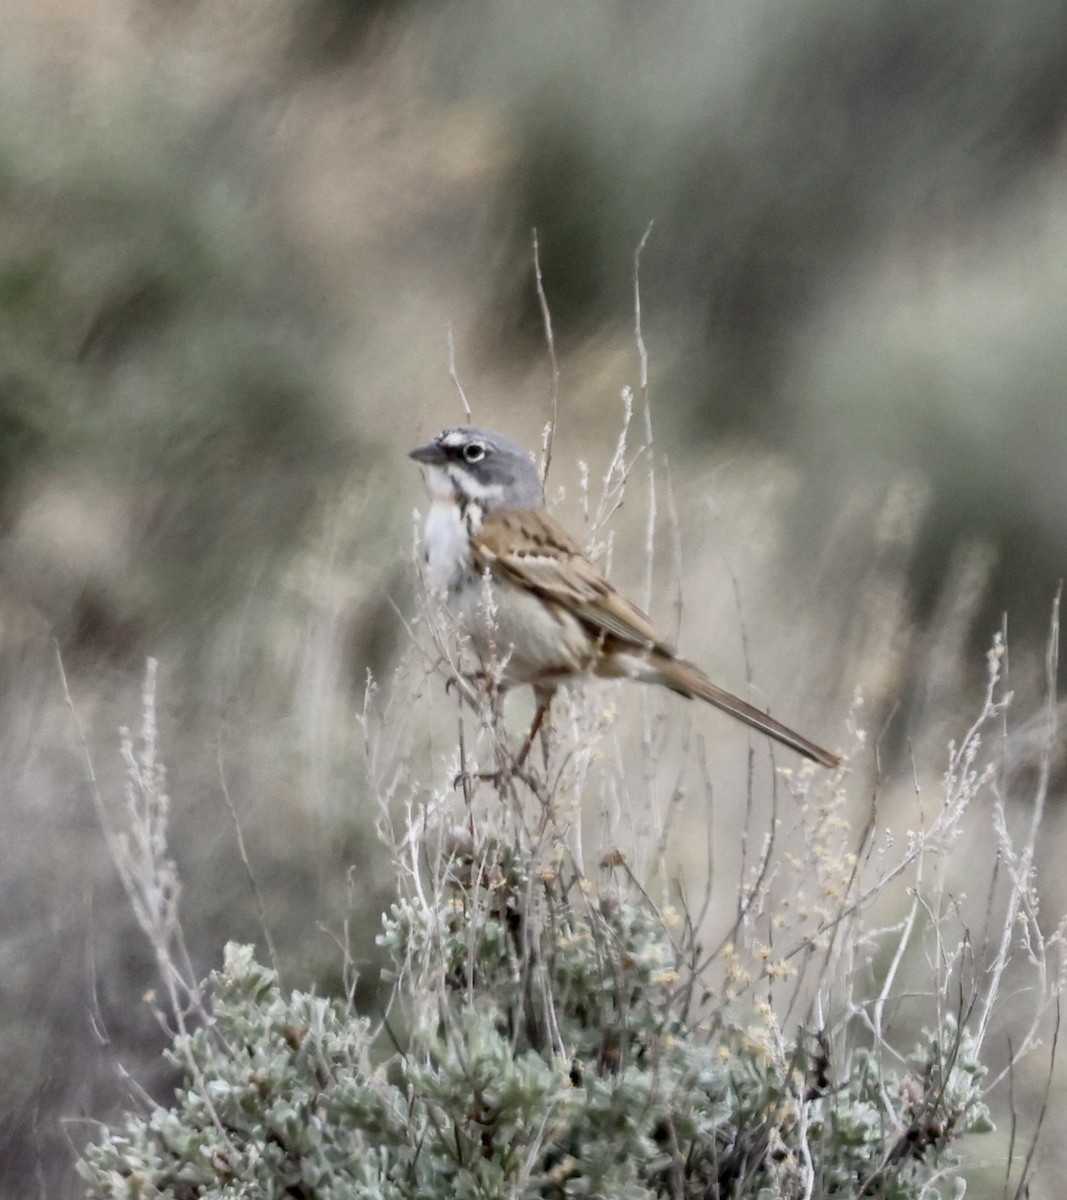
447,547
532,642
528,640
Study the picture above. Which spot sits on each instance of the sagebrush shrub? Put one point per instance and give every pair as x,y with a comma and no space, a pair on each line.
548,1050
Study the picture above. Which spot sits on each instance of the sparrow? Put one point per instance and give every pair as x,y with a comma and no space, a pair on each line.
536,609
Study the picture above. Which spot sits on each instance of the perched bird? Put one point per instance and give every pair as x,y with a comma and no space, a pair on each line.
551,614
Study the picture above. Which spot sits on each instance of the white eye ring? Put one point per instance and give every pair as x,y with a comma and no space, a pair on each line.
473,452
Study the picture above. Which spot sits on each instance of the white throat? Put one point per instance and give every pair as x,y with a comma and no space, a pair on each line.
446,544
440,484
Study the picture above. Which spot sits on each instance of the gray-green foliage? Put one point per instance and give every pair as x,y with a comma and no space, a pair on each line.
165,348
551,1049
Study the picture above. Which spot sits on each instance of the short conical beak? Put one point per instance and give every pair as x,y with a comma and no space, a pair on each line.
431,455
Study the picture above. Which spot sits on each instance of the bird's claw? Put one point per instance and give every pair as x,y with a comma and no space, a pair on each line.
469,681
497,778
469,777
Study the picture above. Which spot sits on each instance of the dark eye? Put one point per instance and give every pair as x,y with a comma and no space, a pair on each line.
473,452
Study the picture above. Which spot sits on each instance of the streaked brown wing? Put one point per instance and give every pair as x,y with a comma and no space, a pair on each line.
532,550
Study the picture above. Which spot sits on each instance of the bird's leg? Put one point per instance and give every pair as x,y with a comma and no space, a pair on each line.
515,767
544,700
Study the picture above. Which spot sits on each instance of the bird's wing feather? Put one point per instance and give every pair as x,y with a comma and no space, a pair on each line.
529,548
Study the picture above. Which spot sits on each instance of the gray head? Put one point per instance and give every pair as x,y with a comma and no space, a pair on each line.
469,464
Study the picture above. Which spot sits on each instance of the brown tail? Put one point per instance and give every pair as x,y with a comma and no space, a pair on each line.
689,680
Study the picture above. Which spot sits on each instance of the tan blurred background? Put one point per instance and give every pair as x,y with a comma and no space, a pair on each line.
234,239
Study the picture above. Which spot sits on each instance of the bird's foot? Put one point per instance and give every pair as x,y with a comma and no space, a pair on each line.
499,779
467,778
470,679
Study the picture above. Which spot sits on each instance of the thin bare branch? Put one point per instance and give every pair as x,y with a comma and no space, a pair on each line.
453,374
550,342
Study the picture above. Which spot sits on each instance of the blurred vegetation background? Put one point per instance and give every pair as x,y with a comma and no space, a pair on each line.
233,241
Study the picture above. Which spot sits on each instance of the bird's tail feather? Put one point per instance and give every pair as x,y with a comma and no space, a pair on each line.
688,679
